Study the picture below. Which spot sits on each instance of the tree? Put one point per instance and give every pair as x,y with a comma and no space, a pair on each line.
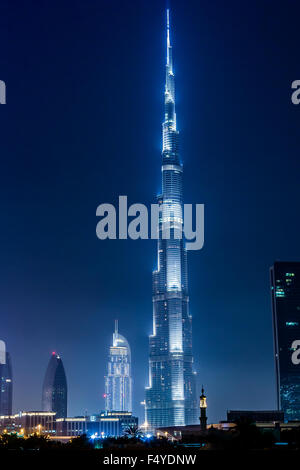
133,431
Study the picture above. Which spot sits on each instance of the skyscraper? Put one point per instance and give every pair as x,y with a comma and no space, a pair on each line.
118,382
6,384
285,294
171,395
55,390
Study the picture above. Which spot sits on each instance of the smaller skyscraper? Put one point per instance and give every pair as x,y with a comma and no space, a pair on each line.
203,407
118,382
285,295
55,390
6,383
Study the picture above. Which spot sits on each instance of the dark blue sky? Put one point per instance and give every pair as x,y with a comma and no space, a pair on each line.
82,125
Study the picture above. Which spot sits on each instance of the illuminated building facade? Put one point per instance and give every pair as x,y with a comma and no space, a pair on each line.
171,394
29,422
285,294
107,423
55,390
116,423
6,383
118,381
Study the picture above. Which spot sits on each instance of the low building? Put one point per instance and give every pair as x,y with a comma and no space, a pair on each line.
29,422
108,423
71,426
179,432
7,424
255,416
114,423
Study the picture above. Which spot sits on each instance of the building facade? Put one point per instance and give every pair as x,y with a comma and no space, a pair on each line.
72,426
104,424
118,381
115,423
285,295
112,424
6,381
171,398
253,416
55,390
29,422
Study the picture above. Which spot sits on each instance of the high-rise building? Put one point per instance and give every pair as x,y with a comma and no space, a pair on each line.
171,398
285,294
118,381
55,390
6,383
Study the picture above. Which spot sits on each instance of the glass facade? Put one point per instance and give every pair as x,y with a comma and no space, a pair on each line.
171,394
55,391
118,381
6,383
285,292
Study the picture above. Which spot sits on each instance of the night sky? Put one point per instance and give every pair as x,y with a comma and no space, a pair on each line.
82,125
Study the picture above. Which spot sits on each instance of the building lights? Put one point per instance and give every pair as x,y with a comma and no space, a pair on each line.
168,402
118,382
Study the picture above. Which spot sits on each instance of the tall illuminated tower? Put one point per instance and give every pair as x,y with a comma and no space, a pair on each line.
55,390
6,384
171,395
118,382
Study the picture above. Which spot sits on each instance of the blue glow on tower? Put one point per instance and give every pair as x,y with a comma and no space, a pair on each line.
171,395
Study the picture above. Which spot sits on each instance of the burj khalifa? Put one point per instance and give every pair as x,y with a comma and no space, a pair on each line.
171,394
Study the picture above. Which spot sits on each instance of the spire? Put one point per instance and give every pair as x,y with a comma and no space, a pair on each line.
116,327
170,115
169,47
168,37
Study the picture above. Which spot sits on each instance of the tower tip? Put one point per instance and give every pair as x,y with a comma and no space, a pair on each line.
168,38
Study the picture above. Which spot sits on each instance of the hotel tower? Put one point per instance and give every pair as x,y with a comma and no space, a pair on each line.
118,382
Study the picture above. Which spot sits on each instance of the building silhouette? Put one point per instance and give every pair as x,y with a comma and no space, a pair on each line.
285,294
171,398
118,381
55,390
6,381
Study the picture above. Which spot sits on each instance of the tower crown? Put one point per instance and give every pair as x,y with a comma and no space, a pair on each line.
203,403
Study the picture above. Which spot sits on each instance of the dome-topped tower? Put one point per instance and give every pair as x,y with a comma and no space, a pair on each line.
118,382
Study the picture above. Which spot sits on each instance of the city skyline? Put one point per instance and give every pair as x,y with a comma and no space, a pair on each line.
78,132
